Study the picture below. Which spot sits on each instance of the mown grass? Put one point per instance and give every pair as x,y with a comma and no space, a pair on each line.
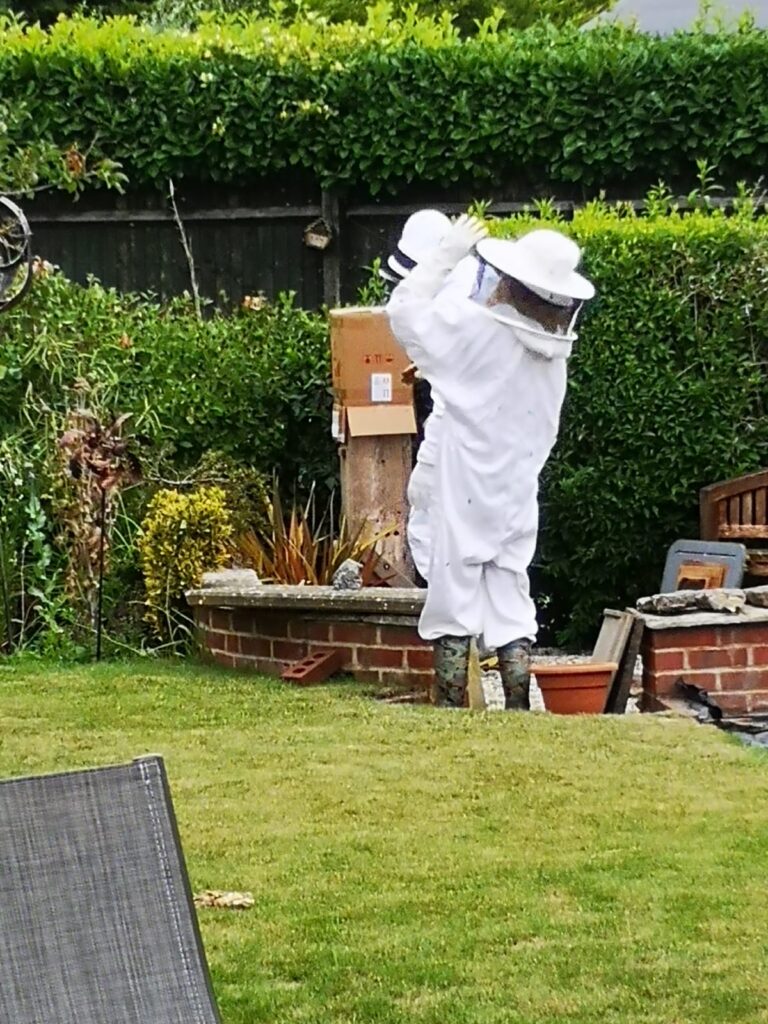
411,865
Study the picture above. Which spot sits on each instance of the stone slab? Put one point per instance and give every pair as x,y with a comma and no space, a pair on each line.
745,616
376,600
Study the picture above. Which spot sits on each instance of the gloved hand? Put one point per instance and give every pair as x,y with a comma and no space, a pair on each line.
464,235
428,277
420,486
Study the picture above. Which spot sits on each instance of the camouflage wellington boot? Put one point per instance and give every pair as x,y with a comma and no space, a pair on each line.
451,655
515,670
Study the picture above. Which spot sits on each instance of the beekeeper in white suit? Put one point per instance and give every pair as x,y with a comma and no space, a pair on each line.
421,234
499,362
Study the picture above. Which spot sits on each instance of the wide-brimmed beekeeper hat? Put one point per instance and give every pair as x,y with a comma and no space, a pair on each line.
545,261
423,232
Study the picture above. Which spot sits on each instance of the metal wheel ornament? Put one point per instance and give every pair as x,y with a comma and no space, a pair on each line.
15,254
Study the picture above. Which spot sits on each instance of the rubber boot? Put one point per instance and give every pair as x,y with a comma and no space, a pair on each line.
451,655
515,670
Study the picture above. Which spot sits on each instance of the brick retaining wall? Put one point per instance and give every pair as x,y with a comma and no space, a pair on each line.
727,656
266,628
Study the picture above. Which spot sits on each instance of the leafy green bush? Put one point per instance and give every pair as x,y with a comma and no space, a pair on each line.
667,393
391,102
252,384
183,536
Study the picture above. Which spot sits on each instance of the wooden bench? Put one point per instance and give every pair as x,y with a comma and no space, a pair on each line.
737,510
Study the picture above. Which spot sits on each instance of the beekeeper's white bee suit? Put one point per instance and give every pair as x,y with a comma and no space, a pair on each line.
500,368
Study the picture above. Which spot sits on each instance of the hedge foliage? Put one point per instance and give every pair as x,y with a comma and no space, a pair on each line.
393,102
187,13
252,385
668,392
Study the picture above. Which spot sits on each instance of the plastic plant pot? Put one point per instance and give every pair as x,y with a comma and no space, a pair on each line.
574,689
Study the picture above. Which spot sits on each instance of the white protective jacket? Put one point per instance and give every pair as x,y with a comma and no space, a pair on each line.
422,482
502,389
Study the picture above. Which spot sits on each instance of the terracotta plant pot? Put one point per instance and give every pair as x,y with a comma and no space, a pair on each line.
574,689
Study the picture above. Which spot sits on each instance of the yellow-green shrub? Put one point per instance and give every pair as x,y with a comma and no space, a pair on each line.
183,535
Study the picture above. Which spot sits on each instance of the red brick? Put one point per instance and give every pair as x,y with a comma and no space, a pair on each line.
367,675
232,643
696,636
734,703
420,658
243,621
745,635
256,646
202,615
228,660
221,619
664,683
275,624
758,655
315,668
420,680
758,700
744,679
739,656
379,657
288,650
401,636
214,641
355,633
663,661
399,680
349,661
708,657
302,630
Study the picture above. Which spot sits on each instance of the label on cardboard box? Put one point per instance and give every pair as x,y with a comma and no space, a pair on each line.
381,387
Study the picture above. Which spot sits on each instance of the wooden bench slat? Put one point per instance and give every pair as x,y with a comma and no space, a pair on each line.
747,509
760,505
743,532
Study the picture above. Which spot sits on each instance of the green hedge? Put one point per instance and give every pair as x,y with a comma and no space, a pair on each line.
389,103
667,393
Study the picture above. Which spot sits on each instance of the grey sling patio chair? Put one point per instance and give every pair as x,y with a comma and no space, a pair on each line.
97,924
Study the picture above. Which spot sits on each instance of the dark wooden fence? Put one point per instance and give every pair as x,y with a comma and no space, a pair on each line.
239,245
243,243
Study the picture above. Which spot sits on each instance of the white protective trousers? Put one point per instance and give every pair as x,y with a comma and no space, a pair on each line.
502,404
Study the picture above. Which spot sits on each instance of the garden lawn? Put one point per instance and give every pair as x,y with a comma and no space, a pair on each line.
412,865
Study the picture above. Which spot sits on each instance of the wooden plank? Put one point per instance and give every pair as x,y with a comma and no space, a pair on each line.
618,694
475,696
612,640
734,511
374,478
746,532
760,507
331,208
111,217
747,508
613,636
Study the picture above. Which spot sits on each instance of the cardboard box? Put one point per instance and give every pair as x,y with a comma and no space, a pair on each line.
367,366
